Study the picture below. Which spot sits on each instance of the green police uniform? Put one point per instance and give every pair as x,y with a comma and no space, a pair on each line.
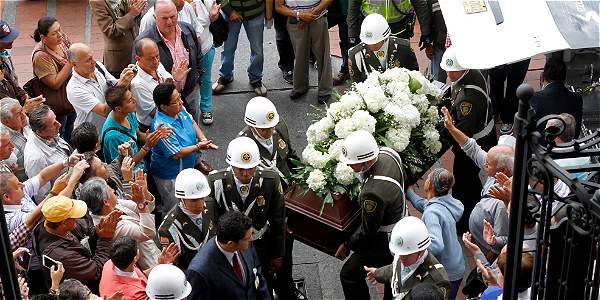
363,60
429,271
383,204
473,115
264,205
279,160
178,228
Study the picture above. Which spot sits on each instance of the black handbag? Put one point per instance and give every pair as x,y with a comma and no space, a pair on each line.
219,30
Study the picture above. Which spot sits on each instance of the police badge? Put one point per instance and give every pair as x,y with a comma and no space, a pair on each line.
246,156
260,200
281,143
270,116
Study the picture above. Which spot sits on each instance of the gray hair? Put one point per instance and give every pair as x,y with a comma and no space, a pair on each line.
6,106
139,45
36,117
442,181
74,49
93,192
505,161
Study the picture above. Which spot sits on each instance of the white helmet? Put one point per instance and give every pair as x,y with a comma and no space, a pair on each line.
374,29
359,146
191,184
449,61
409,235
167,282
243,153
261,113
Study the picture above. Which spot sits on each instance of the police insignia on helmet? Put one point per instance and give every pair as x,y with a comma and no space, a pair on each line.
246,156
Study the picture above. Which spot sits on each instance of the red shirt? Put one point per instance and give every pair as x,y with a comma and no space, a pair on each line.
132,288
177,48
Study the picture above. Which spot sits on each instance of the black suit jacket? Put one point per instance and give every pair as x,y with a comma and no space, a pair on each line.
212,276
555,98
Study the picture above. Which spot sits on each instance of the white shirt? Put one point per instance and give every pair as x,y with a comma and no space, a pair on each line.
40,153
186,15
202,9
16,214
239,185
142,86
84,94
267,143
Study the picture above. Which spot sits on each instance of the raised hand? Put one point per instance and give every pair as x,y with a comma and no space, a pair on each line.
488,233
60,184
108,224
169,254
371,274
33,102
180,70
467,240
448,121
487,273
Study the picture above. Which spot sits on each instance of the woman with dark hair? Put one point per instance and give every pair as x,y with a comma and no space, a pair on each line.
53,69
179,150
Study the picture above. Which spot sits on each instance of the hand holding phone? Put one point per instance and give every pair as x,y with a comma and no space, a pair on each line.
48,262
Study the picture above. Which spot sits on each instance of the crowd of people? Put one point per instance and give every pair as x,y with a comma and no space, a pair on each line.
104,191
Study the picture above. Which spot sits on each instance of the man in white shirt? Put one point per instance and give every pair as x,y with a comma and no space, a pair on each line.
150,73
44,147
88,84
14,121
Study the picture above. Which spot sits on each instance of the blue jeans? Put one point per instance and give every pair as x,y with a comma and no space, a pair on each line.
254,30
66,126
205,81
435,71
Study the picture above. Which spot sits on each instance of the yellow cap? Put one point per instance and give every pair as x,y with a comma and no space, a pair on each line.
60,208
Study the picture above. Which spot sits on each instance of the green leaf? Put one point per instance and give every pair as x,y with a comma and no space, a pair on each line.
414,85
328,198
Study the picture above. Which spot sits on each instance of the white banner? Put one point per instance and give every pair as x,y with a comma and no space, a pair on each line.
491,33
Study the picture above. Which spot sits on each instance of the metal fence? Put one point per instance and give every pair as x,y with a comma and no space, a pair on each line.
566,262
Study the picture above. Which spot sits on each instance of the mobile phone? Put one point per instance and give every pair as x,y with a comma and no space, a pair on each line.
23,260
48,262
135,69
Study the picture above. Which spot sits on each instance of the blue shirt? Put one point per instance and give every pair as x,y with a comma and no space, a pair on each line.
114,138
183,135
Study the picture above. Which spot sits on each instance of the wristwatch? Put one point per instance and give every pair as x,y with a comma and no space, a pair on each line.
142,205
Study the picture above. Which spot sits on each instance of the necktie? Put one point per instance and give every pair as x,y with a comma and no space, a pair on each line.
237,267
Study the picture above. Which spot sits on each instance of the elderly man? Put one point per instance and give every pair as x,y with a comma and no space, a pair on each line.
88,84
178,47
44,147
150,73
498,159
137,220
14,121
117,21
185,13
7,164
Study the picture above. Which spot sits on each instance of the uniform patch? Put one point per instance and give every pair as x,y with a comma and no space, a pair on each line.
270,116
465,108
368,34
164,241
260,201
281,143
449,62
370,205
344,151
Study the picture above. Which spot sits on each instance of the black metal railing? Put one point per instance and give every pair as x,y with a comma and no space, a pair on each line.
566,262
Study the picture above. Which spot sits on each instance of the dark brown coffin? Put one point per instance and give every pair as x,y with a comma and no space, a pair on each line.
325,231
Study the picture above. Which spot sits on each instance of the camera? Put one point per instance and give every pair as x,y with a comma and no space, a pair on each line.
135,69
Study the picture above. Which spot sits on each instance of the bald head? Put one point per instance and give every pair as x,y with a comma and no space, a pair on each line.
144,45
500,158
82,58
147,56
165,14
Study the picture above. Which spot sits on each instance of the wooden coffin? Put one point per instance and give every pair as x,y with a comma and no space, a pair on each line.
323,231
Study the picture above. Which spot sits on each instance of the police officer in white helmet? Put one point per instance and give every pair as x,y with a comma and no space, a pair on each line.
190,223
258,194
382,205
412,264
379,50
472,113
167,282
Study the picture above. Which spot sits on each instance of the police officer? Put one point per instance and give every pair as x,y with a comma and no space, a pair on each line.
271,135
382,203
409,242
473,114
259,195
400,14
379,51
192,222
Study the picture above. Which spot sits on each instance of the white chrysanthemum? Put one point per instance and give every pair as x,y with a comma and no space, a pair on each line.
375,99
399,138
401,95
319,131
395,75
432,114
393,111
344,174
352,98
316,180
344,108
420,102
335,149
373,79
344,127
314,157
363,120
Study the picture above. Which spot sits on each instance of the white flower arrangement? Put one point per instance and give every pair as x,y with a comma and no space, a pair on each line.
398,107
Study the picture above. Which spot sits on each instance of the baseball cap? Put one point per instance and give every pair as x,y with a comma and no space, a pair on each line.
7,33
60,208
